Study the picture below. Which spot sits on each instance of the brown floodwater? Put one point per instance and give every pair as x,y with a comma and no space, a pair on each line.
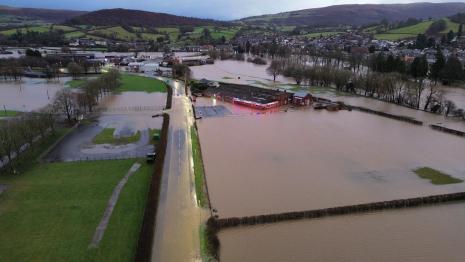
127,102
241,72
29,94
429,234
306,159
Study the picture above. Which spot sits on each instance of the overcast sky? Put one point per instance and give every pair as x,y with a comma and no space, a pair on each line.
217,9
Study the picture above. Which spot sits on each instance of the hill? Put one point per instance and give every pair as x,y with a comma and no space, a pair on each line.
127,17
413,30
45,15
357,15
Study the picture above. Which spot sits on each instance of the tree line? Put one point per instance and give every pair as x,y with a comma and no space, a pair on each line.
14,68
391,86
18,134
73,103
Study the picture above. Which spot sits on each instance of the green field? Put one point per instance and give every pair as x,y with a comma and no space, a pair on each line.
405,32
172,32
40,29
106,136
8,113
76,83
75,34
141,83
450,26
50,213
116,32
436,177
413,30
318,34
199,171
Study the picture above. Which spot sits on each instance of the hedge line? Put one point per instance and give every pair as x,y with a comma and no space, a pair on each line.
392,116
448,130
368,207
145,242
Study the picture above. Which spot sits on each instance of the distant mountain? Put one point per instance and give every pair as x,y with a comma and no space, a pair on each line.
46,15
357,15
127,17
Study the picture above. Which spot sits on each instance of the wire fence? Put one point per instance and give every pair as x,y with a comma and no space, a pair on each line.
101,157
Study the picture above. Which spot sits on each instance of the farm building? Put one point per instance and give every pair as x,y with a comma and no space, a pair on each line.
250,96
302,99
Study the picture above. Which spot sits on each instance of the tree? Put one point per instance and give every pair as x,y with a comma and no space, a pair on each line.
181,71
438,66
421,41
33,53
450,36
275,68
460,31
65,104
74,69
453,70
419,70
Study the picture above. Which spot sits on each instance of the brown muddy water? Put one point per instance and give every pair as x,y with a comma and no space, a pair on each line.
29,94
127,102
435,233
248,73
306,159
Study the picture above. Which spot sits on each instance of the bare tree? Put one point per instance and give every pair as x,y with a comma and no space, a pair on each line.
275,68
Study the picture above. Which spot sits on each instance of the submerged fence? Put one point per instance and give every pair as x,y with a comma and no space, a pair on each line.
392,116
448,130
145,242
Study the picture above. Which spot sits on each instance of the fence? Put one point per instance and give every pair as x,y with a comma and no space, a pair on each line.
128,109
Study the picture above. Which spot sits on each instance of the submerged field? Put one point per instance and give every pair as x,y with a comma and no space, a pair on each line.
51,212
427,234
305,159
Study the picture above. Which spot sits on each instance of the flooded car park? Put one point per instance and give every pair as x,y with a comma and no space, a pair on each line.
127,113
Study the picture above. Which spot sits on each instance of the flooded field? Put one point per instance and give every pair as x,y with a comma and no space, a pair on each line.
305,159
239,72
29,94
133,102
248,73
420,234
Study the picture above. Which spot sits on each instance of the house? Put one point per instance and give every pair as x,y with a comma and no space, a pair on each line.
302,99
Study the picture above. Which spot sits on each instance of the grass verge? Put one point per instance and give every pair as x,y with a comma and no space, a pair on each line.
199,172
436,177
50,213
205,248
141,83
106,137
